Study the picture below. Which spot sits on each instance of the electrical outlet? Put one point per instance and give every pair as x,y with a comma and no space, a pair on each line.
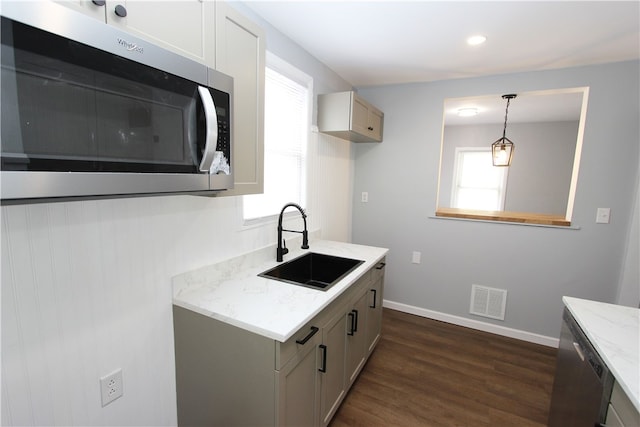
364,197
111,387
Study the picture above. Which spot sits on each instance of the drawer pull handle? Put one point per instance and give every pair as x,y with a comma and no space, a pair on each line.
375,297
324,358
304,340
355,328
380,266
351,323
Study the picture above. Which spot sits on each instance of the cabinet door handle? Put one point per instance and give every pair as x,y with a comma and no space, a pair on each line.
370,128
99,2
352,323
120,11
304,340
323,368
380,266
355,327
375,296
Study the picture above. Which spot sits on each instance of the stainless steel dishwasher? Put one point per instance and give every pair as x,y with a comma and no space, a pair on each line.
582,385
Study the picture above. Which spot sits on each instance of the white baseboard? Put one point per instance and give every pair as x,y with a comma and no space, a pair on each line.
473,324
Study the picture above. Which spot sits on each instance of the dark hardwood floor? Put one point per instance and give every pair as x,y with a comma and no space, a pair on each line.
429,373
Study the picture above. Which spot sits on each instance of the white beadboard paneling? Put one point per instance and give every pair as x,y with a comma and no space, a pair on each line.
83,328
53,372
5,414
335,166
16,398
28,320
83,293
68,315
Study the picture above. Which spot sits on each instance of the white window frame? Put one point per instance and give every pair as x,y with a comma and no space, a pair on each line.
457,171
279,65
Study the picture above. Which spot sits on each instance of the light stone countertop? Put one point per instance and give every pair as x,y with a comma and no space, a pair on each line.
232,292
614,331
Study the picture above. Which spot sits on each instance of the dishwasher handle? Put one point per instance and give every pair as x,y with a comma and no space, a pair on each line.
578,350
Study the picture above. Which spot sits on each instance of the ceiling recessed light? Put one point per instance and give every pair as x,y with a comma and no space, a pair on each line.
467,112
476,40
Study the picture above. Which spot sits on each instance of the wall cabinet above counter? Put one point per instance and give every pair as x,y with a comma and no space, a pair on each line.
346,115
191,33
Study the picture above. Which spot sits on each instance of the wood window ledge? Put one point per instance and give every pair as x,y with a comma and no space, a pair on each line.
517,217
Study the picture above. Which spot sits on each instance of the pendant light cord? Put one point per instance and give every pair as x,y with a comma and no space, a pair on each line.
508,97
506,113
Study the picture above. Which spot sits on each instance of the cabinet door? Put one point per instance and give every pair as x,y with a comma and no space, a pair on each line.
298,387
86,7
376,119
240,53
359,115
185,27
332,376
356,320
374,313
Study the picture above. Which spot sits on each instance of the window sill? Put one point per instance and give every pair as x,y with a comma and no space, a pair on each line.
503,216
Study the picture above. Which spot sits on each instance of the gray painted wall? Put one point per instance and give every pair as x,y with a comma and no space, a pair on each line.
540,264
540,173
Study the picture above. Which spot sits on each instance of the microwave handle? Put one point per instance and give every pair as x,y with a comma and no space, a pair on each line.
211,119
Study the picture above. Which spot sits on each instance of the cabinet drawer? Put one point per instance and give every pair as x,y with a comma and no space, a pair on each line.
378,270
297,343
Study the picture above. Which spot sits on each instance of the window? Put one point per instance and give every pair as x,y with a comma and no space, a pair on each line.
286,129
477,183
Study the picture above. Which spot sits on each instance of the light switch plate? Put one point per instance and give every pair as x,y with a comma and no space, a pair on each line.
602,215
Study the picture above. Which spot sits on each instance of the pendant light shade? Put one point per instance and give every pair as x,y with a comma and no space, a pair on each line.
502,152
502,149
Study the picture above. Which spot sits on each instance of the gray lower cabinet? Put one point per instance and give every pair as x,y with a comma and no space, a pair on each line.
356,334
298,385
332,369
621,412
374,307
227,376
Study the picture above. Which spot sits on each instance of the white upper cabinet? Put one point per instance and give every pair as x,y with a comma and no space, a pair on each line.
94,9
348,116
186,27
240,53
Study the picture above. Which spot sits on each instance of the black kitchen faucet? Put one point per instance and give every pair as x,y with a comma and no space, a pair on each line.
282,247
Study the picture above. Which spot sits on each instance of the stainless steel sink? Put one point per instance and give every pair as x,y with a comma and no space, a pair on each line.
313,270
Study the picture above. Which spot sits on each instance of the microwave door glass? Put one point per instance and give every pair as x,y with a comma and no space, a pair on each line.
77,108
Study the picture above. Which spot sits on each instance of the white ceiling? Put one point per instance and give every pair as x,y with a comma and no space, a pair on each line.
538,106
386,42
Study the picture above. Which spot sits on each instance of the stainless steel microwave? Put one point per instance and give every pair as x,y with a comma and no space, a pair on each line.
89,110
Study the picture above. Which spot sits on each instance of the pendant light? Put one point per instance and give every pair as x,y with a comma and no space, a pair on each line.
502,149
